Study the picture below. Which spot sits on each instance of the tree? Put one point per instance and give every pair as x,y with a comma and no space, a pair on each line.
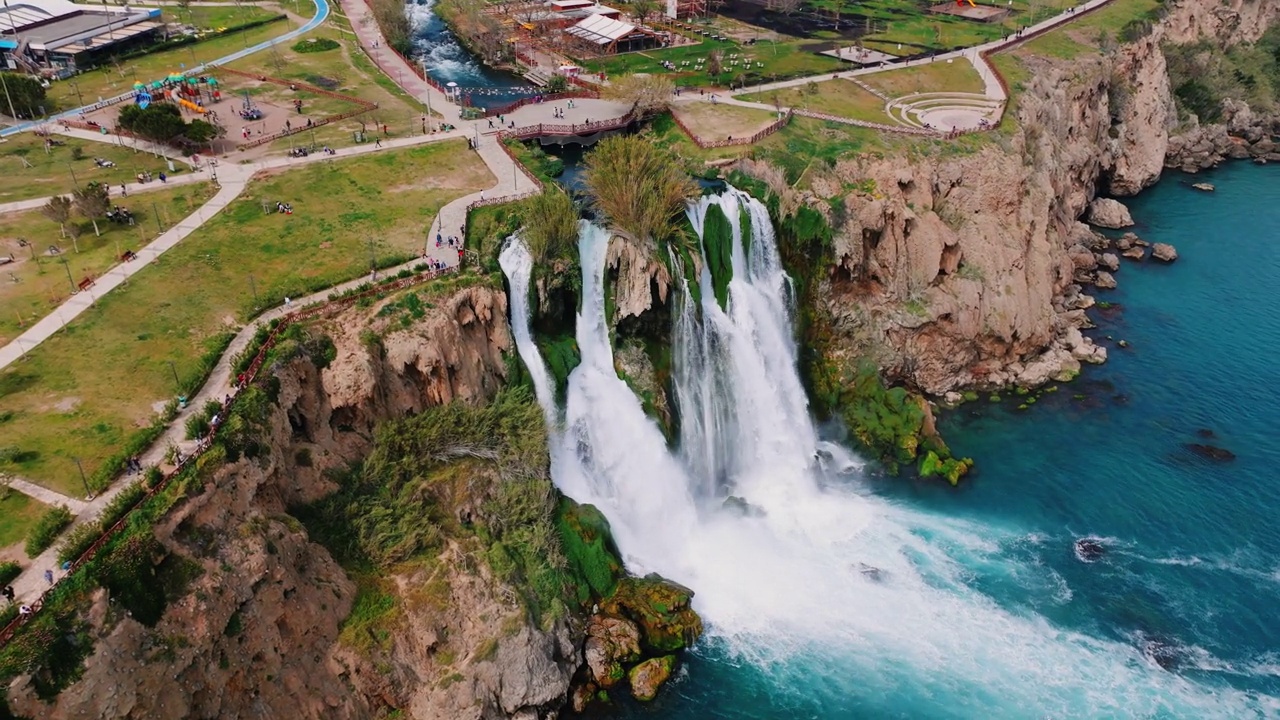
551,225
557,84
26,93
58,209
161,122
644,9
638,186
92,201
649,93
200,131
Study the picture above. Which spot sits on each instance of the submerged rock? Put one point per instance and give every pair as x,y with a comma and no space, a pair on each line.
735,504
871,572
1108,213
1203,187
649,675
1206,433
1135,253
1164,252
1089,550
1211,452
1166,654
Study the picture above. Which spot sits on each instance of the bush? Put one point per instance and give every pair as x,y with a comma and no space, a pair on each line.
46,530
8,571
197,426
314,45
78,540
153,477
121,504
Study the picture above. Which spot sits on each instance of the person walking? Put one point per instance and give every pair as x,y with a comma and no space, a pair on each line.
48,576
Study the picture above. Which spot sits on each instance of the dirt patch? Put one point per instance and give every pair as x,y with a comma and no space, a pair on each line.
67,404
719,122
14,553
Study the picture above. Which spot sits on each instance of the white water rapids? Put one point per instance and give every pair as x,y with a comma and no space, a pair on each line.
788,592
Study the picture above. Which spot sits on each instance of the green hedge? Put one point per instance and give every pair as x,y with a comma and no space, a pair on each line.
315,45
78,540
9,571
46,530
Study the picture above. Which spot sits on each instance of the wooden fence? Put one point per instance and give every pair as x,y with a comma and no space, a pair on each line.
542,129
536,99
364,106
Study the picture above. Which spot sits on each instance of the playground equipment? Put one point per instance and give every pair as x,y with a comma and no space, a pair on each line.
249,111
190,105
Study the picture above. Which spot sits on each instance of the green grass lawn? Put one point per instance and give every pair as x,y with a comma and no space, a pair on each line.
781,60
84,391
899,21
957,76
56,172
208,17
1090,32
115,78
17,514
41,284
837,97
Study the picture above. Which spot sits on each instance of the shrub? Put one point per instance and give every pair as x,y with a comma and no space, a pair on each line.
153,477
551,225
8,571
46,529
78,540
315,45
639,187
122,503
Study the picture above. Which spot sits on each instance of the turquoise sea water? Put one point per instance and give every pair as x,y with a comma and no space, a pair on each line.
1191,569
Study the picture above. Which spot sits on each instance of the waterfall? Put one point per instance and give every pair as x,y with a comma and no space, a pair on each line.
517,264
825,590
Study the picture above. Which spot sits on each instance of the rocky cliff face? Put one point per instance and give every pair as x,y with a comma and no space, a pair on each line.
257,634
969,271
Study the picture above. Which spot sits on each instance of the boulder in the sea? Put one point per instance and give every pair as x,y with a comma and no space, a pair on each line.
950,468
871,572
1104,280
1164,653
1211,452
582,696
1203,187
1164,252
1206,433
649,675
660,608
1135,253
735,504
1089,549
1108,213
611,642
1109,261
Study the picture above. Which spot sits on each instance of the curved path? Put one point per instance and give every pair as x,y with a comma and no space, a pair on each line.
322,13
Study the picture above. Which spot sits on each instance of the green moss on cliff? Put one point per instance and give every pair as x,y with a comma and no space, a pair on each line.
717,241
661,608
588,546
561,355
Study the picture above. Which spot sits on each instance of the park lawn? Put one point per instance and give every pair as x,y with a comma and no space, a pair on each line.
957,76
84,391
210,17
17,514
114,78
52,173
836,97
42,284
1090,32
899,21
344,70
781,60
717,122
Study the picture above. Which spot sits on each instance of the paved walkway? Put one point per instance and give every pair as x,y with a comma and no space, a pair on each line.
43,494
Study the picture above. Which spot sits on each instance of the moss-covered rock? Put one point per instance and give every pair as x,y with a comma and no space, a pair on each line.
588,546
649,675
717,241
662,610
932,465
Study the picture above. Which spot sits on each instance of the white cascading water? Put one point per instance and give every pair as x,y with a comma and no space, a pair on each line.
790,591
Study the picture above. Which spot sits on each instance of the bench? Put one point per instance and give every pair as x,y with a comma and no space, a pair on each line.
86,283
128,255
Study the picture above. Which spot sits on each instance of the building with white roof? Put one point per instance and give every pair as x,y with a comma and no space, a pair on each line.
56,36
612,35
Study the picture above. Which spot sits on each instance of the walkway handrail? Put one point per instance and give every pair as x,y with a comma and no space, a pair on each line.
541,129
535,99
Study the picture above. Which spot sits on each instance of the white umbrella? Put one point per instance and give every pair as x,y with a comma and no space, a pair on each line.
451,84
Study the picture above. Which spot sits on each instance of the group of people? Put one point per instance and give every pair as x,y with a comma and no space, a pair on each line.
284,208
120,215
145,177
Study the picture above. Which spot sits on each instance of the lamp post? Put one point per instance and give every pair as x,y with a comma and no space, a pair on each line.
67,266
87,494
